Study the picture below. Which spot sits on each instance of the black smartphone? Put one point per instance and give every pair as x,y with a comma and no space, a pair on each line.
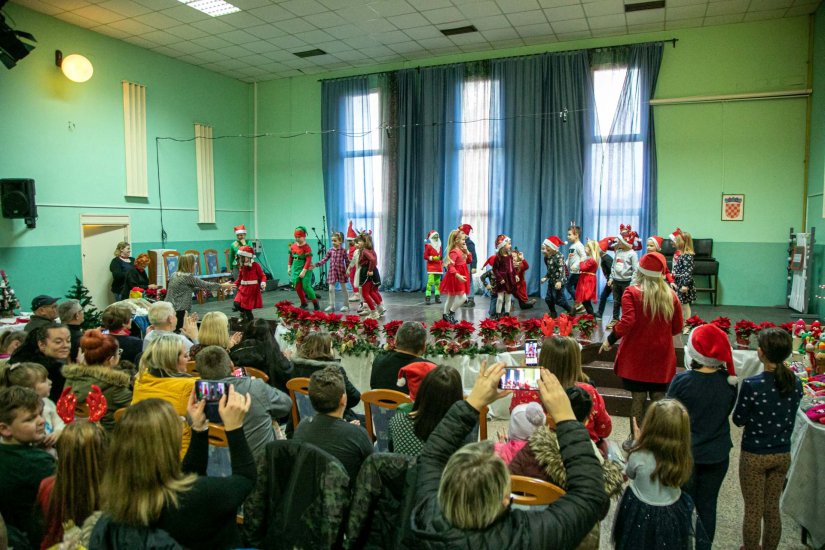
531,352
520,379
211,392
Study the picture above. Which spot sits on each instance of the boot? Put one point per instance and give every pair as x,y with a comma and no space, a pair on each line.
305,306
316,305
446,317
437,298
427,300
453,320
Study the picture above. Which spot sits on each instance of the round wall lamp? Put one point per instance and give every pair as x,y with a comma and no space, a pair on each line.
76,67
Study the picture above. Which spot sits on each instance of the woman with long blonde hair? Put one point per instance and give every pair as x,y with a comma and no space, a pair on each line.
146,485
683,265
455,284
184,282
214,331
646,359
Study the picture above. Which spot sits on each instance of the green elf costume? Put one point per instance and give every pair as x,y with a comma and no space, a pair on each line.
240,240
432,255
301,255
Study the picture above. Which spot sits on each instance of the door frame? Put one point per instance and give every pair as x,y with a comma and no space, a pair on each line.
105,220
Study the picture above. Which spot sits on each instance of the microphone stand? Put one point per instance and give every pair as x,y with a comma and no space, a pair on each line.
320,243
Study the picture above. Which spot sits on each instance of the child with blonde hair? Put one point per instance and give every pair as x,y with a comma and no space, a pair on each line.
35,376
455,284
683,270
586,287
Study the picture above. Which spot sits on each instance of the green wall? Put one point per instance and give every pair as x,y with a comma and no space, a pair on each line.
704,150
816,163
69,138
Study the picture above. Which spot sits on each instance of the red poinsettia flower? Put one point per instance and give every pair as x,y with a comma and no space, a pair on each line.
694,321
463,330
391,328
531,328
766,324
744,328
723,323
788,327
370,327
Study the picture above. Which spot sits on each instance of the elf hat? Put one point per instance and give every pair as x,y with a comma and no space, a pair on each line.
351,234
552,242
653,264
240,230
300,231
246,251
466,228
607,243
676,233
502,240
656,240
627,236
412,375
708,345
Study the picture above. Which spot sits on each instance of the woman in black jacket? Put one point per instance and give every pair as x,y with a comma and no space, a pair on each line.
259,350
120,264
463,493
315,354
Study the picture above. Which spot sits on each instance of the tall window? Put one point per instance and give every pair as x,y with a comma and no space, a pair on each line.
364,163
617,150
476,148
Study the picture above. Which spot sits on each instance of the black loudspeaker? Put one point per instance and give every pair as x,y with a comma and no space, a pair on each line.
17,200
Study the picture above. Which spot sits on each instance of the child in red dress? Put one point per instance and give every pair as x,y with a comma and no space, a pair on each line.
455,284
586,288
251,281
505,276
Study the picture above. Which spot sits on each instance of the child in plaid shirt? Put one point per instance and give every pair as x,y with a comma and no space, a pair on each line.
337,258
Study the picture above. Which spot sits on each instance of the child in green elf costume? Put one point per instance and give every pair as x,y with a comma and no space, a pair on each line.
300,254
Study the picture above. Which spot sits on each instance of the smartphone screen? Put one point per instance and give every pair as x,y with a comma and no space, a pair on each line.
531,353
211,392
520,379
240,372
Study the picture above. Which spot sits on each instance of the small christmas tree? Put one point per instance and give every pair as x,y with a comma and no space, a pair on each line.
8,300
91,315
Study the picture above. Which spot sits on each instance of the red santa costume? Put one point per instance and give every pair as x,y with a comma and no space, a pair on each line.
586,289
250,281
435,267
351,249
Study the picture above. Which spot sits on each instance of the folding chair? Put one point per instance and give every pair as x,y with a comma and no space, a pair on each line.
256,373
301,405
534,492
379,408
119,414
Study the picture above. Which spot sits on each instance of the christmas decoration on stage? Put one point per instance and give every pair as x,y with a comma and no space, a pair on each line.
91,315
8,299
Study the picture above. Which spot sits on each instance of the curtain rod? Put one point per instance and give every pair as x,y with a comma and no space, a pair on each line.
672,41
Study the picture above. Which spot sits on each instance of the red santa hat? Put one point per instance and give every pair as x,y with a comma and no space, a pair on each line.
437,244
351,234
430,235
676,233
246,251
552,242
501,240
412,375
653,264
627,236
240,229
607,243
489,261
466,228
708,345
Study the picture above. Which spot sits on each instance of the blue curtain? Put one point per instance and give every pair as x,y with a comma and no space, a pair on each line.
537,173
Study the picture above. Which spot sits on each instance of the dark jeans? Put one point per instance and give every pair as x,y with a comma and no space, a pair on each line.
703,486
181,316
555,298
588,306
570,287
618,289
606,292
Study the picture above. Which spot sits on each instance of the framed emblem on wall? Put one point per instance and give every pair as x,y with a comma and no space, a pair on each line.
733,208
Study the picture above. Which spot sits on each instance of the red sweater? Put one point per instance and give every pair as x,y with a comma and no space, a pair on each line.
599,424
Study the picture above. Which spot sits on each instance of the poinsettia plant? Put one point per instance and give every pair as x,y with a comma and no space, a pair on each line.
463,330
509,328
722,323
390,330
489,332
370,331
766,324
788,327
744,328
586,324
440,330
695,321
531,329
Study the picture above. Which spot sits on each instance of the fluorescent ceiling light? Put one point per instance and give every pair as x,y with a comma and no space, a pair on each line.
214,8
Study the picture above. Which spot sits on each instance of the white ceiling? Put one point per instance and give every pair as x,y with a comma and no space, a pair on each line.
258,43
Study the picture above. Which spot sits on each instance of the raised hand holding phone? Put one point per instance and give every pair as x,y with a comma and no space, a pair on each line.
233,407
554,398
197,413
485,390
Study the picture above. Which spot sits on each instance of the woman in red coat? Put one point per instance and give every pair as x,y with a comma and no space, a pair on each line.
586,287
251,281
651,316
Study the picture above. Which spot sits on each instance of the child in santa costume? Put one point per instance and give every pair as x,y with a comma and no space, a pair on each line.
654,244
624,266
250,283
337,258
505,276
556,275
352,250
369,277
521,265
240,240
432,255
456,283
466,228
586,287
300,254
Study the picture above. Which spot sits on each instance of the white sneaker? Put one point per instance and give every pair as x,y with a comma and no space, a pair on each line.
328,308
363,311
344,308
374,315
355,298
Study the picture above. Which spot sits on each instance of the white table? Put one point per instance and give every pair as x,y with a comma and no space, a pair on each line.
804,495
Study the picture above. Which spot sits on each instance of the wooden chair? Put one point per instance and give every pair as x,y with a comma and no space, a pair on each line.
301,405
190,367
226,253
170,263
197,255
210,259
482,424
256,373
534,492
379,408
217,435
119,414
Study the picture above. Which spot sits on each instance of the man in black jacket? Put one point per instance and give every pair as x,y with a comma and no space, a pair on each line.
410,345
444,517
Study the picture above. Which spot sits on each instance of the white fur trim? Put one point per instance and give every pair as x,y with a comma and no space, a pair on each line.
733,380
649,272
624,242
500,245
244,254
401,382
698,357
240,232
655,243
672,237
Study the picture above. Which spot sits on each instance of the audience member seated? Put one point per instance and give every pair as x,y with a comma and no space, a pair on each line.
117,319
213,363
44,313
410,346
73,493
524,420
314,354
23,465
118,267
413,423
214,331
463,493
328,430
9,342
162,374
101,355
183,283
71,316
260,350
48,346
146,487
35,377
136,277
162,318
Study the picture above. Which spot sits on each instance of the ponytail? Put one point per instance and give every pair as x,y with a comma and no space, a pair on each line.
785,380
776,346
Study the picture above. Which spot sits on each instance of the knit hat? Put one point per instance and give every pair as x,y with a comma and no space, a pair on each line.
412,375
552,242
351,234
676,233
246,251
708,345
240,229
501,240
627,236
607,243
300,231
524,419
657,242
466,228
653,264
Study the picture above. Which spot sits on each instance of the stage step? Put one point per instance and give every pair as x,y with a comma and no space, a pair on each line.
616,401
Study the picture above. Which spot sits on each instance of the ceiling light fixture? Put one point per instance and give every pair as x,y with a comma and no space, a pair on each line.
459,30
642,6
76,67
310,53
215,8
